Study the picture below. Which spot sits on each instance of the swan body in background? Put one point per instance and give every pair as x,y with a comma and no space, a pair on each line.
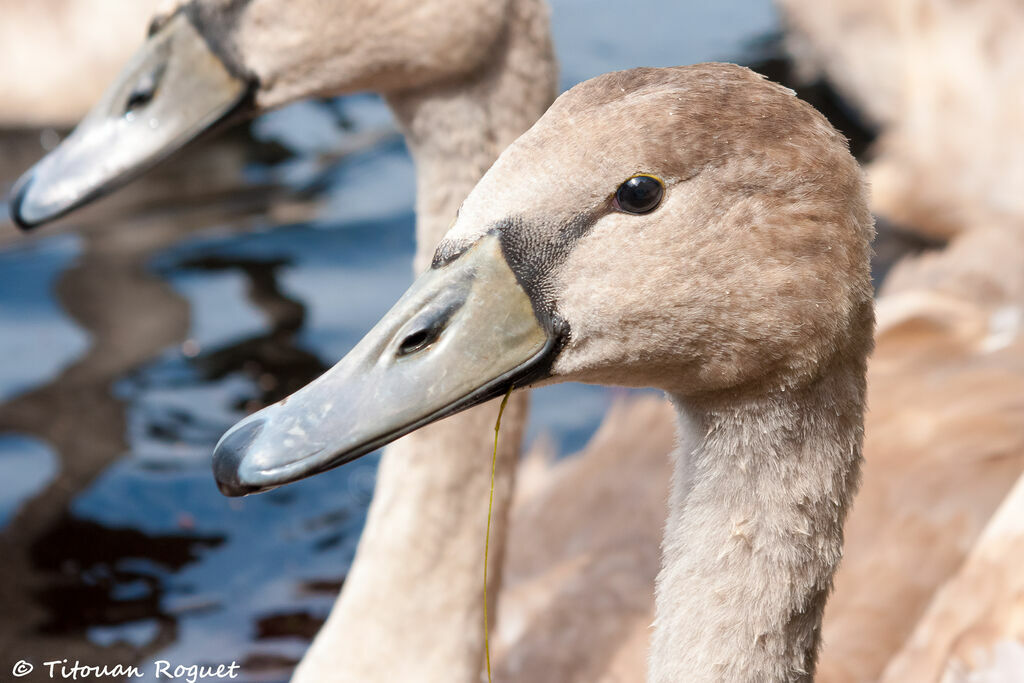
584,550
944,445
464,80
696,229
945,438
940,79
973,628
41,86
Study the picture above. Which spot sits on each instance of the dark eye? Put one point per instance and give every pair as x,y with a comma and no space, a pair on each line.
639,194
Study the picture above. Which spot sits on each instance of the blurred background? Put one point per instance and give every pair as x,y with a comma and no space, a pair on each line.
135,332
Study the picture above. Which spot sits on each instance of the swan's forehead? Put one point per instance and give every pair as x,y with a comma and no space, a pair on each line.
672,123
569,166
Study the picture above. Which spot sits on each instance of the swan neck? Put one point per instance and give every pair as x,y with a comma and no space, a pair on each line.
760,490
455,130
411,608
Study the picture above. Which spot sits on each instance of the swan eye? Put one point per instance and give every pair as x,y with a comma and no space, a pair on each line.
640,194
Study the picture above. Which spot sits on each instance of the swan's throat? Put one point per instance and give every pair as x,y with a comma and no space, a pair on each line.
754,536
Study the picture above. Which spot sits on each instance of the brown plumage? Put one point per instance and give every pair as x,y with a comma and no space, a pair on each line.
745,297
743,291
944,443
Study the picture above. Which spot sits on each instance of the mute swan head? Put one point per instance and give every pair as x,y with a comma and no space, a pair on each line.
695,229
206,61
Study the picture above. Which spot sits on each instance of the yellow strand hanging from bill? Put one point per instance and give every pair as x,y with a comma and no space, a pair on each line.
487,536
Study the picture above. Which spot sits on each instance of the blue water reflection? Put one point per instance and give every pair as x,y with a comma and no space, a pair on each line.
26,466
38,339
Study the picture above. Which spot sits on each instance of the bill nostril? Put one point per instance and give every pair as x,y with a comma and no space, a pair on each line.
428,326
418,340
144,91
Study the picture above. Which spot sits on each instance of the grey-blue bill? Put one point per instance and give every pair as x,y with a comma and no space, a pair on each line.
173,89
462,334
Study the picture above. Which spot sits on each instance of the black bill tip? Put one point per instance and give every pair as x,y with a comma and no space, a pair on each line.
18,195
229,455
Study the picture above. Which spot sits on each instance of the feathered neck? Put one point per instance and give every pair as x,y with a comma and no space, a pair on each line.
760,491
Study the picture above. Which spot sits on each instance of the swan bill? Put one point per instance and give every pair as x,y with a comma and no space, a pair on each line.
173,89
461,335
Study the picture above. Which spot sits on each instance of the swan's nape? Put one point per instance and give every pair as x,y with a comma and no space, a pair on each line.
462,334
174,88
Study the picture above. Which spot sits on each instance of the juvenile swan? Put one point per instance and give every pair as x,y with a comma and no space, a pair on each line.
696,229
